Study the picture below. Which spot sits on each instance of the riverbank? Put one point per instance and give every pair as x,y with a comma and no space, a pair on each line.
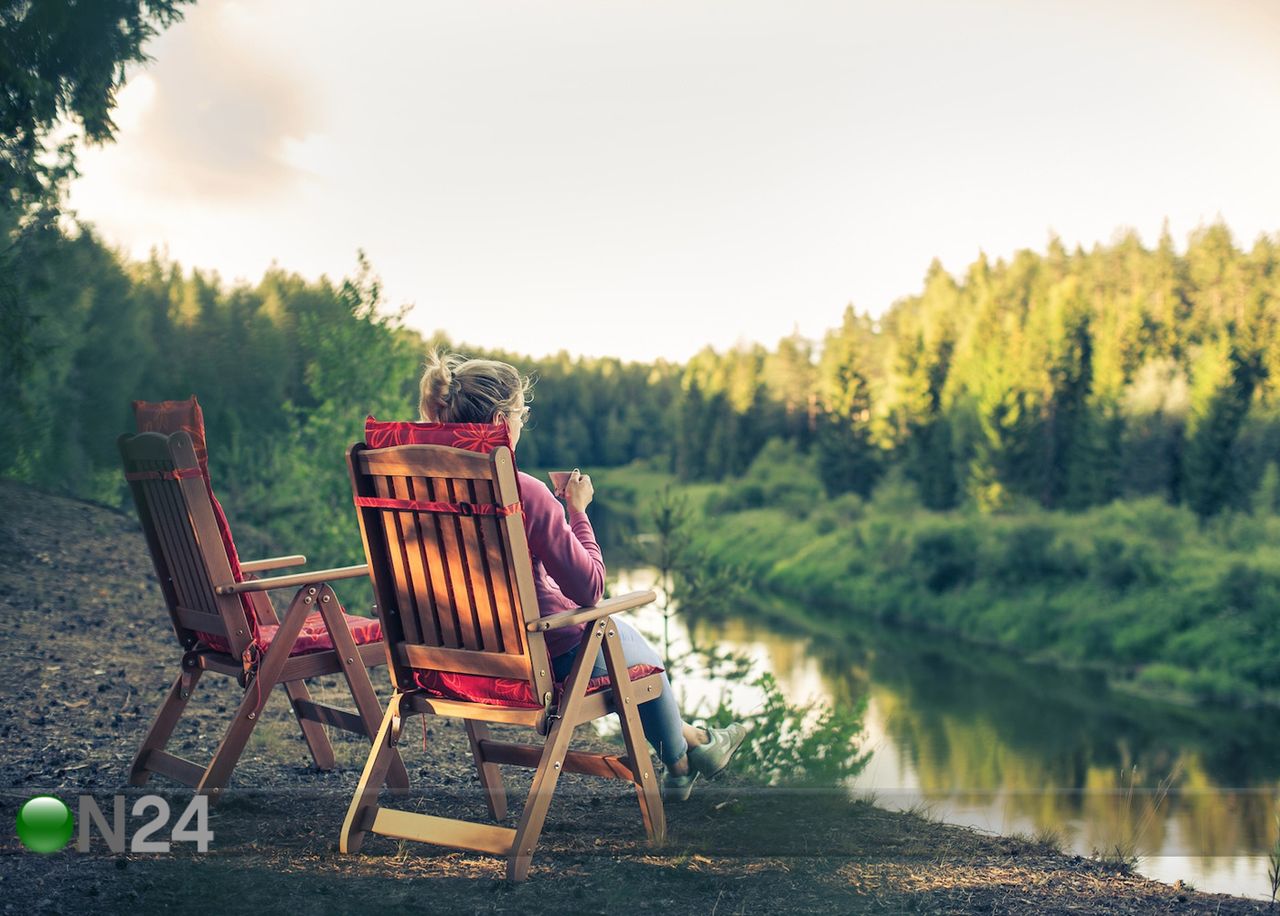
89,657
1139,591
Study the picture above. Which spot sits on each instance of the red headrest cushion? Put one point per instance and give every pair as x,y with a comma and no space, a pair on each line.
474,437
169,417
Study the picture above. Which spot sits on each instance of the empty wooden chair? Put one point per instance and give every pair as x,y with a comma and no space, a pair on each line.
444,537
224,621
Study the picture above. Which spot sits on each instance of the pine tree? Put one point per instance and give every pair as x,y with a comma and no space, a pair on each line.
847,459
1223,387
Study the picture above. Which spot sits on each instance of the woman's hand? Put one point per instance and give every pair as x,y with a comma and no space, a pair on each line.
578,491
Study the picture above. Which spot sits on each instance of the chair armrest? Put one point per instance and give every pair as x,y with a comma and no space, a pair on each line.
304,578
587,614
255,566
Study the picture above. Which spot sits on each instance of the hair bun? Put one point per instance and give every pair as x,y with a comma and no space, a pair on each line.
439,383
455,389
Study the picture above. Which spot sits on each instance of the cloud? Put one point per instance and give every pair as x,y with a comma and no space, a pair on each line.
223,115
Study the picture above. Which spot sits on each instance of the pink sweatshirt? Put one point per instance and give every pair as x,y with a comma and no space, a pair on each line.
568,569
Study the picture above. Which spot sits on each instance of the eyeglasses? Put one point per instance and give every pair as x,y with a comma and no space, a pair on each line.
522,415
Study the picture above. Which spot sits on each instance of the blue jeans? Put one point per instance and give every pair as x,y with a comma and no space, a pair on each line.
659,717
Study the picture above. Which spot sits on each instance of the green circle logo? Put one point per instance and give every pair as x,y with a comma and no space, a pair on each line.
45,824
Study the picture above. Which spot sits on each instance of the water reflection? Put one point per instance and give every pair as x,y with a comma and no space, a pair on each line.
987,741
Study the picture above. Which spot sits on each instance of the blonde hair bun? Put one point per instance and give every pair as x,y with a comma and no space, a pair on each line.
455,389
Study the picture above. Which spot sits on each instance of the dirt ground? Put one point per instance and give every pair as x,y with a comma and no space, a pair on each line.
88,653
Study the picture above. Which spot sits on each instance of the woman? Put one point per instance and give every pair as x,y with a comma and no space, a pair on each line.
567,565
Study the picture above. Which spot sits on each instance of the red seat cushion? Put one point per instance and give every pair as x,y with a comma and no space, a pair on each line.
503,691
169,417
315,635
483,438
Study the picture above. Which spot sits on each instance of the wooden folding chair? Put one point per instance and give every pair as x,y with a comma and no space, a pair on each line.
444,536
226,624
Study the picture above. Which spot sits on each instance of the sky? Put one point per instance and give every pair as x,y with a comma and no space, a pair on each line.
641,179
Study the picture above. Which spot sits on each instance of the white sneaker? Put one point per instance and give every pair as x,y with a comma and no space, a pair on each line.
711,758
677,788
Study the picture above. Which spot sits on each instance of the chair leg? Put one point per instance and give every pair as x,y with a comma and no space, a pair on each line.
539,801
166,720
312,732
552,760
225,758
364,803
256,695
647,793
495,793
357,675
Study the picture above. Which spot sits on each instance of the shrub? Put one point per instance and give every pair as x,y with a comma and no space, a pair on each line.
1238,531
1027,554
824,521
946,558
1121,564
779,477
1150,518
1241,585
814,744
735,498
896,493
886,541
834,513
1161,676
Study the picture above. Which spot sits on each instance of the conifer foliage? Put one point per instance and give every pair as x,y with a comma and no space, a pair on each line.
1063,380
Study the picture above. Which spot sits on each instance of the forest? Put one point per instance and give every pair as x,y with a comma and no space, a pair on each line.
1060,379
986,458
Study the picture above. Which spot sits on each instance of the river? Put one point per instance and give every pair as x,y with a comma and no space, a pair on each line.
978,738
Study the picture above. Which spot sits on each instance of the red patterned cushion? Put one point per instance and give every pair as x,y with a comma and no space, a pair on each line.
169,417
474,437
503,691
315,635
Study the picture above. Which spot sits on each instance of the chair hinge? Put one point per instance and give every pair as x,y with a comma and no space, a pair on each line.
249,662
549,708
190,670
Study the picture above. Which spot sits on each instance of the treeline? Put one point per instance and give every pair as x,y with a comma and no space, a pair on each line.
276,360
286,371
1064,379
1061,379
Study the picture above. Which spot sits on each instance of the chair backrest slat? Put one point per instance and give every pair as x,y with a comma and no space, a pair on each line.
489,573
452,548
399,556
190,581
464,660
438,587
450,588
156,524
178,521
419,554
160,502
479,585
404,463
198,620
